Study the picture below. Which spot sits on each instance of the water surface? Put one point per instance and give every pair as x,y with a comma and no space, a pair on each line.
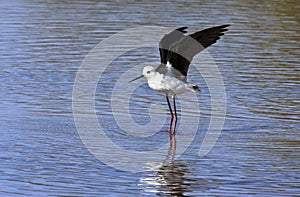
42,47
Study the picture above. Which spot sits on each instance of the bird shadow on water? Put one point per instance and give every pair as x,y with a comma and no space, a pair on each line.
168,177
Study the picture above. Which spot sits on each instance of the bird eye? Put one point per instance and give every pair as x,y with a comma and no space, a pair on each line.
148,72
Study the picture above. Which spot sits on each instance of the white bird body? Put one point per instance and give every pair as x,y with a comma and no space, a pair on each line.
166,83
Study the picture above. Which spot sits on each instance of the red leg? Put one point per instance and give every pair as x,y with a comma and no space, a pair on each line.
171,115
175,111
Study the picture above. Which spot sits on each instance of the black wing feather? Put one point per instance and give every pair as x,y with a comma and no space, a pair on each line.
209,36
167,41
179,49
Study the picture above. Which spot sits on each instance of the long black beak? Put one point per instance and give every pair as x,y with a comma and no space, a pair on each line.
136,78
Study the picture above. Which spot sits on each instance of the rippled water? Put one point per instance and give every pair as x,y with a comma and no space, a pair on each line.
43,44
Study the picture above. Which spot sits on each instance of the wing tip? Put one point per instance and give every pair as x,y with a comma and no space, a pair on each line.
224,27
182,29
196,88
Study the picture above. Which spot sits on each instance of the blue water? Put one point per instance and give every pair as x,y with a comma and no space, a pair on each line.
42,46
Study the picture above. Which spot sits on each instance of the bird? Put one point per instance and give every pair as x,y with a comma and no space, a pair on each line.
176,54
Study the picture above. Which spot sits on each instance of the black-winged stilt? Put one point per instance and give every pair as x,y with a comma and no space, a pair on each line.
176,52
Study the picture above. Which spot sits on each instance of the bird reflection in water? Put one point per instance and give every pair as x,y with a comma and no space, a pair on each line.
169,177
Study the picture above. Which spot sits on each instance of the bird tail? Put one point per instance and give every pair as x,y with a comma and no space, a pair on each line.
196,88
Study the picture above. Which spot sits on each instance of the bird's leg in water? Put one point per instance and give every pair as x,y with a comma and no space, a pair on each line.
175,112
171,115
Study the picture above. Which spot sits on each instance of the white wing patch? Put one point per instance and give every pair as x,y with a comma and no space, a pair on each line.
168,65
172,72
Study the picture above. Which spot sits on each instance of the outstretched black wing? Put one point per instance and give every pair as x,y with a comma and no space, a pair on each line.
179,49
167,41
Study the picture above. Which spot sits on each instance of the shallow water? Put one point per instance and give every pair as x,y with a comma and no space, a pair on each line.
42,47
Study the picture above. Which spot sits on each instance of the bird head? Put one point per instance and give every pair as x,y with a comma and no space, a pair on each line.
148,71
